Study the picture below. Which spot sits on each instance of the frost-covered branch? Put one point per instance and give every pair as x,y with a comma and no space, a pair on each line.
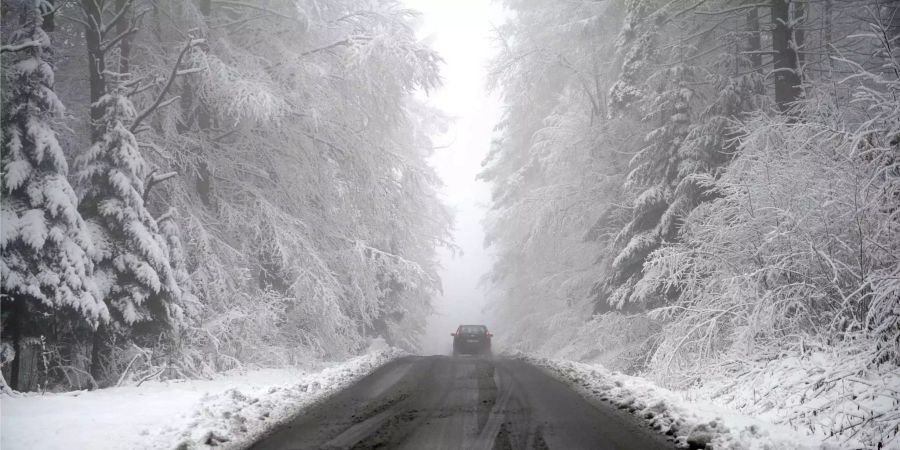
155,178
20,46
169,82
237,4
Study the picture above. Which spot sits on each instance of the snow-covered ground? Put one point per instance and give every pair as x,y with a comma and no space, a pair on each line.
229,412
694,423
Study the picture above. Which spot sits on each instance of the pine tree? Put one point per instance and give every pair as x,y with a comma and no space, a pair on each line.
189,305
134,271
46,249
691,110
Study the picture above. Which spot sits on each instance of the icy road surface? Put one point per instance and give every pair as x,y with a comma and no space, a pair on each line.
439,402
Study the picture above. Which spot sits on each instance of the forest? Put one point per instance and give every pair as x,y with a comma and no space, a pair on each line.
706,193
700,194
193,186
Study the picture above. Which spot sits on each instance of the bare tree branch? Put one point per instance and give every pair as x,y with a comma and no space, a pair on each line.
156,178
159,99
19,47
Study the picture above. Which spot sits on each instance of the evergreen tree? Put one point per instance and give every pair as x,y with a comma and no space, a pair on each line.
691,97
134,272
46,249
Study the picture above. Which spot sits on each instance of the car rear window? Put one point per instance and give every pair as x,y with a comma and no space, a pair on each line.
472,329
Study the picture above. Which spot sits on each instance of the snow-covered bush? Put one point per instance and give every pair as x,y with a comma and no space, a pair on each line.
751,232
620,342
793,261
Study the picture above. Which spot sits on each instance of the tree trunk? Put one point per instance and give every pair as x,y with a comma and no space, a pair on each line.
98,348
754,44
15,319
799,16
125,44
787,77
205,7
49,23
204,121
828,28
96,64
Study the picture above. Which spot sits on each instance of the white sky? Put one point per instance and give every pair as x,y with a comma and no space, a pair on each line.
460,31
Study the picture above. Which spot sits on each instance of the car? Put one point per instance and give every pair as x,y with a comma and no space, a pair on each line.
472,340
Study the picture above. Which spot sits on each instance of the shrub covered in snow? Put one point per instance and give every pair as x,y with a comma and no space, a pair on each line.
703,215
693,422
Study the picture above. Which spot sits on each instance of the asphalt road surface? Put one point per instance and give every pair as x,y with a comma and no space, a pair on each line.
442,402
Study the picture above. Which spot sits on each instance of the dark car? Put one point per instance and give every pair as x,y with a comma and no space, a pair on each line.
472,340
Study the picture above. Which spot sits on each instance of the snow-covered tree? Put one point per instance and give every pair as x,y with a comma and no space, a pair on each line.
264,176
46,247
556,182
304,193
681,76
46,250
736,194
133,266
133,269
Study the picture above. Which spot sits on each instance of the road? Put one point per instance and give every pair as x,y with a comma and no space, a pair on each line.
442,402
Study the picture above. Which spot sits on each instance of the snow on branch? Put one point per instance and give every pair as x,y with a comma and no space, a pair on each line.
233,4
20,46
342,43
156,178
171,80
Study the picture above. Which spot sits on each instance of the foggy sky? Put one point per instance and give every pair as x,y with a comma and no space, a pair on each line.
460,31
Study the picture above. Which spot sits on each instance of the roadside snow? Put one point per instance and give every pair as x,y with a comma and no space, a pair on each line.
826,395
693,424
229,412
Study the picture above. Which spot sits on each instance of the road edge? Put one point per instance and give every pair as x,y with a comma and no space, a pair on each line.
235,420
692,425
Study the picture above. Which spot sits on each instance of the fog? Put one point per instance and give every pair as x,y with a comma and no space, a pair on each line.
460,32
699,196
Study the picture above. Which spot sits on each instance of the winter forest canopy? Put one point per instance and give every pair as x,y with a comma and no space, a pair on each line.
706,193
702,192
193,185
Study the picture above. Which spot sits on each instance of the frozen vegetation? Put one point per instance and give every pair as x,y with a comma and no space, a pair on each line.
693,421
707,194
212,208
228,410
191,187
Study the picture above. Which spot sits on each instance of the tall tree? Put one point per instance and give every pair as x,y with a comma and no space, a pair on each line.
555,180
690,88
784,47
46,249
304,172
133,264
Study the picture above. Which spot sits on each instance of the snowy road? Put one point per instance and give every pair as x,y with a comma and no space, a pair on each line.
439,402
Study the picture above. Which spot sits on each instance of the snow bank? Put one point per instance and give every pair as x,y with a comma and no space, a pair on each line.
230,411
824,394
693,423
